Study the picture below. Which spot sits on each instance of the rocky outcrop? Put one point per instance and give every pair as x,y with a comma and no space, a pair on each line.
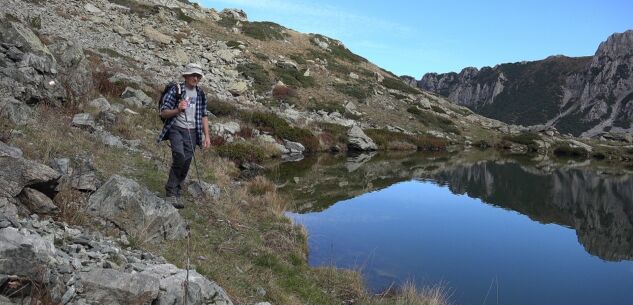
18,173
584,95
136,210
107,286
83,267
358,140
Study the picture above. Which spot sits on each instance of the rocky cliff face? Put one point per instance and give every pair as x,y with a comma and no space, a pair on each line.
583,96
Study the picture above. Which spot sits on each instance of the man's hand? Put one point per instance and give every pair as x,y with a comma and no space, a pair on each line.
207,143
183,105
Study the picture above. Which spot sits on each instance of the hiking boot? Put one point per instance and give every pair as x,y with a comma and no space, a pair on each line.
175,202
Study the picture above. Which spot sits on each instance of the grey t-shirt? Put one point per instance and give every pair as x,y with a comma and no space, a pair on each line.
186,119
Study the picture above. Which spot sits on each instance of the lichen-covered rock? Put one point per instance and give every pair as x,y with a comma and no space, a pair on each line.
136,210
108,286
358,140
18,173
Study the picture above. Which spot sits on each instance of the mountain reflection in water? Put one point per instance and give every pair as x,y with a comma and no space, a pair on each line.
598,207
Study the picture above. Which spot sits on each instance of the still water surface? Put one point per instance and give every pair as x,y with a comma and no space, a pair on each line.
494,232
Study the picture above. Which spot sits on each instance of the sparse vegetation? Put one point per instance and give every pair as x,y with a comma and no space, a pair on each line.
328,107
528,138
241,152
264,30
353,90
430,119
386,139
279,127
261,82
293,77
397,84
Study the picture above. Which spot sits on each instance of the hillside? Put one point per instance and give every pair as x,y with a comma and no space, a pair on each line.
585,96
81,177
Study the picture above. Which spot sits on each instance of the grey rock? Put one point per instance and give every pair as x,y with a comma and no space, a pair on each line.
203,190
77,72
226,130
237,88
85,181
91,8
68,295
18,173
358,140
201,290
61,165
136,98
136,210
23,253
263,303
236,14
9,151
8,213
37,202
84,121
100,104
15,111
294,147
287,64
109,286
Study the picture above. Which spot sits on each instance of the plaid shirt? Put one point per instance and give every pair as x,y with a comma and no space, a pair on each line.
171,102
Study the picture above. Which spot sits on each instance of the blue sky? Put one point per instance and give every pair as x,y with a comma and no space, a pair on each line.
415,37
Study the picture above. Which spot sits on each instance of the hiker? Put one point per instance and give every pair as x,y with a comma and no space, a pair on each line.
183,106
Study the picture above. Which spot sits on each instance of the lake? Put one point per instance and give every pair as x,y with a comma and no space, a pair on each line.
492,230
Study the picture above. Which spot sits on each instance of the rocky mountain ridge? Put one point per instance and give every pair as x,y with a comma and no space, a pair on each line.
585,96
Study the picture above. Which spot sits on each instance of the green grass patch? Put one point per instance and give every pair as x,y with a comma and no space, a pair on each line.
338,50
261,81
233,44
328,107
438,109
241,152
264,30
353,90
221,108
279,127
430,119
294,77
383,138
527,138
397,84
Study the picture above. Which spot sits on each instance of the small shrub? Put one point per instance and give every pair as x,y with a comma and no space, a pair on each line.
233,44
352,90
104,86
283,92
241,152
294,77
399,85
566,150
281,128
438,109
264,30
260,186
384,139
261,82
227,22
328,107
430,119
298,58
221,108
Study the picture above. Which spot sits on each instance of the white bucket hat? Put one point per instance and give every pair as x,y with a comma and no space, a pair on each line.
193,68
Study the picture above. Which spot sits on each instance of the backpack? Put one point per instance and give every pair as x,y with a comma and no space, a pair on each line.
161,100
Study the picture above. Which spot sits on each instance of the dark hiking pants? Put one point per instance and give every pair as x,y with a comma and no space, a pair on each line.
181,154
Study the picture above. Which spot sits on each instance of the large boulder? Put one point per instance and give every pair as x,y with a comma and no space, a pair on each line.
136,210
8,213
24,254
9,151
226,130
77,73
136,98
112,287
201,291
358,140
84,121
37,202
203,190
18,173
15,111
